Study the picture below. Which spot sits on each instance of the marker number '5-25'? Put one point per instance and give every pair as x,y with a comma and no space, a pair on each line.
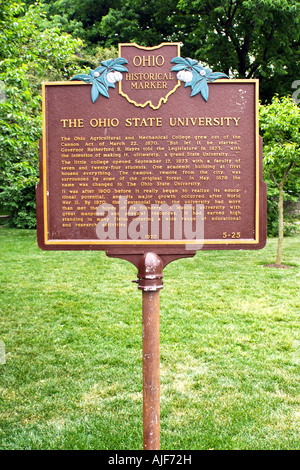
231,234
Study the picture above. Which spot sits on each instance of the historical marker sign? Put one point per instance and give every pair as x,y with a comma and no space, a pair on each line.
151,152
151,157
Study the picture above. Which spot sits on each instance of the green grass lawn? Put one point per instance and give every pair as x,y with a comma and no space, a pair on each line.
71,375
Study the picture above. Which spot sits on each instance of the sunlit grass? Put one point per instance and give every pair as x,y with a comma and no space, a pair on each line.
72,327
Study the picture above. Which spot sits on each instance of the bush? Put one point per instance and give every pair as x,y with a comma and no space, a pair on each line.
33,56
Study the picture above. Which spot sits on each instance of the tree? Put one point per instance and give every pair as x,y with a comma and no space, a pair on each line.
279,127
28,56
80,18
248,39
242,38
147,23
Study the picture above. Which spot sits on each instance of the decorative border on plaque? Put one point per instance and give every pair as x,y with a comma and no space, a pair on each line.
163,99
183,242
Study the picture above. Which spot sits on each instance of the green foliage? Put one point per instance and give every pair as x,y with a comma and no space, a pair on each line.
248,39
242,38
91,57
279,127
27,57
80,18
20,132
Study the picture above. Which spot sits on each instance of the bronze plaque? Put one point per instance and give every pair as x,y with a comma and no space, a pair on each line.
151,152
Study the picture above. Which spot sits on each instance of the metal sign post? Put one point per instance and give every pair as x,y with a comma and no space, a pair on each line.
150,276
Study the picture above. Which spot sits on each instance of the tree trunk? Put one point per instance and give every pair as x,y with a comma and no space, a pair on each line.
280,215
280,225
